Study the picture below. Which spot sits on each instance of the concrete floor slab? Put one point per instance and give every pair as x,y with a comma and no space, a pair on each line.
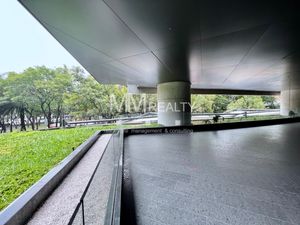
234,177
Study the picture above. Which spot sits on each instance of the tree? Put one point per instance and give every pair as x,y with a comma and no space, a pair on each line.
220,103
90,98
1,88
2,122
247,102
14,100
40,91
8,107
48,88
270,102
202,103
62,86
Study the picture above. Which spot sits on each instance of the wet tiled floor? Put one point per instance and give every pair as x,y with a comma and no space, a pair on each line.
237,177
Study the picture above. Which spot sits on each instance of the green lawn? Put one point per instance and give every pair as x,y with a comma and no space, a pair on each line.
26,156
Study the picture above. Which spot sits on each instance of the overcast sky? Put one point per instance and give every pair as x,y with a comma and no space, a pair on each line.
24,42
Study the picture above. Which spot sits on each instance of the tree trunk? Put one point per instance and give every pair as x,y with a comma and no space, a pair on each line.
49,116
3,127
22,118
32,123
37,123
62,119
30,117
49,120
58,114
56,121
11,123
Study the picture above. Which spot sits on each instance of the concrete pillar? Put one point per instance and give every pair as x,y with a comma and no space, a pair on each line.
290,101
174,99
290,97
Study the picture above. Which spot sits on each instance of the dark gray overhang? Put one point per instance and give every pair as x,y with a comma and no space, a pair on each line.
216,45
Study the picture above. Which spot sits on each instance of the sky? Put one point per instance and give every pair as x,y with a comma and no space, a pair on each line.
25,43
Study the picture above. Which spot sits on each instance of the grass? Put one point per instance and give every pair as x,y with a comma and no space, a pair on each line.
26,156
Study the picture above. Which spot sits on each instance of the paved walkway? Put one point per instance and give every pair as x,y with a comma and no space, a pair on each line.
60,206
245,176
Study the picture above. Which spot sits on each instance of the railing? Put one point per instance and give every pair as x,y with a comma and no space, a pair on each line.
113,210
101,200
21,209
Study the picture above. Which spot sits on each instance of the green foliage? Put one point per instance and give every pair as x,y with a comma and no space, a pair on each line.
221,102
202,103
36,91
247,102
26,156
270,102
41,92
90,98
48,88
1,88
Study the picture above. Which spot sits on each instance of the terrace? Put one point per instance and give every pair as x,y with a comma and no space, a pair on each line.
227,174
236,173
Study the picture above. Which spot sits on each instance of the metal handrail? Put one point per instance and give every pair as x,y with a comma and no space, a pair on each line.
21,209
115,177
113,212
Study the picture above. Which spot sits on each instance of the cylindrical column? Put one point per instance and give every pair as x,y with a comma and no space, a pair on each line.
290,97
174,103
290,102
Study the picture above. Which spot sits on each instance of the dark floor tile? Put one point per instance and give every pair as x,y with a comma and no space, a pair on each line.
175,176
293,214
252,205
167,214
232,177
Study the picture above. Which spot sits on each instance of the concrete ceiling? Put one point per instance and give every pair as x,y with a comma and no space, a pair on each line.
228,45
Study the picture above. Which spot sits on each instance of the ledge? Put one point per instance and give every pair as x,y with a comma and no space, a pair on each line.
20,210
209,127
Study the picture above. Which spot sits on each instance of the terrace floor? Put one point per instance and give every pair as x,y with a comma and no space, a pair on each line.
237,177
